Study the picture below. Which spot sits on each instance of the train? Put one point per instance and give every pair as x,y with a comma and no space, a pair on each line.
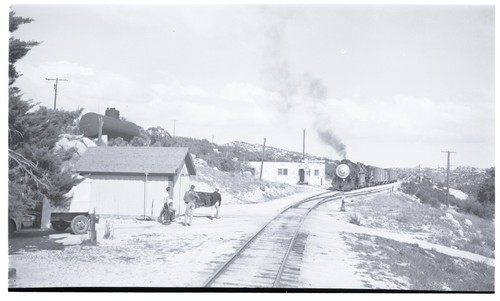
362,175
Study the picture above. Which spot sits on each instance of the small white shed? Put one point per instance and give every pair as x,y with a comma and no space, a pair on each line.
131,181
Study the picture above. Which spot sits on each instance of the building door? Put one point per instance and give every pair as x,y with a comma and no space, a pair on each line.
301,175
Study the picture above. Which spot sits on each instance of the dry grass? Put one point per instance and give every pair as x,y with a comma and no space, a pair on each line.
422,269
397,212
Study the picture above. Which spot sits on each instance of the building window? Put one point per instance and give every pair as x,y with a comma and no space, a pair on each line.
316,172
282,171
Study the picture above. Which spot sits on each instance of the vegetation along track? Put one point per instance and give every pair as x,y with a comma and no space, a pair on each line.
272,257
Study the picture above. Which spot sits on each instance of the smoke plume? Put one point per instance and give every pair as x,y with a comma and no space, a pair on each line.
329,138
295,87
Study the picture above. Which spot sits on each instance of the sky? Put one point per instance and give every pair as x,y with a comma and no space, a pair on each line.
386,85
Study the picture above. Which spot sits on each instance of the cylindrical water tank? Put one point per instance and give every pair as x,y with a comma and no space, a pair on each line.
89,125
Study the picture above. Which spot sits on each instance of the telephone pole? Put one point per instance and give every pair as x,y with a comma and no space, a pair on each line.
448,178
262,160
55,87
174,126
304,145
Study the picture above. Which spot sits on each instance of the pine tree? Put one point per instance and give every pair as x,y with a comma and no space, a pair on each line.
17,48
36,169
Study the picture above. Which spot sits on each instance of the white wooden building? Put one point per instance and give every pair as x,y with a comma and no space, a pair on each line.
131,181
307,172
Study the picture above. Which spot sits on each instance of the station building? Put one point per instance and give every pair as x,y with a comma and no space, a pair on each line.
306,172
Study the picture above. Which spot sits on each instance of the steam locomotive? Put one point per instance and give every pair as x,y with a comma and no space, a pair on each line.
362,175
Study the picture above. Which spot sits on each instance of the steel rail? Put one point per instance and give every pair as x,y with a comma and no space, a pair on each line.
335,195
294,238
210,281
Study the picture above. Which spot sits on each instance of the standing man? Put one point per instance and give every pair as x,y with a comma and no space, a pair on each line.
190,199
215,200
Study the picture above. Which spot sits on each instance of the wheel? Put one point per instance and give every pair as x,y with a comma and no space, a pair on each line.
12,227
59,226
80,224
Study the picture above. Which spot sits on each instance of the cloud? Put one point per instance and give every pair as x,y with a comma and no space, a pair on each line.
411,119
64,68
175,88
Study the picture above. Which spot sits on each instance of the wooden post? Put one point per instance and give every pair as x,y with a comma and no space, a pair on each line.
262,159
93,233
99,135
152,204
145,193
304,145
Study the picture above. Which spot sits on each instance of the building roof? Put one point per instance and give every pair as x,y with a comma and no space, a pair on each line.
151,160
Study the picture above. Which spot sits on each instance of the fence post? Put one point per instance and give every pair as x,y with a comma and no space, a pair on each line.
93,233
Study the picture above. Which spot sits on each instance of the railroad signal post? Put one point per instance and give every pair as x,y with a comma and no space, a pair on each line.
343,172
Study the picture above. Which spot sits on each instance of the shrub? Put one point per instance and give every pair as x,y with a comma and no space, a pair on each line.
434,202
354,219
482,210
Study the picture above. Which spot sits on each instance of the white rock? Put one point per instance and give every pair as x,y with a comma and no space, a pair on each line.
468,222
200,162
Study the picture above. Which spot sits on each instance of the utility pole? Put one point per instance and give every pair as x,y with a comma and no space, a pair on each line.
262,159
448,178
304,145
55,87
174,127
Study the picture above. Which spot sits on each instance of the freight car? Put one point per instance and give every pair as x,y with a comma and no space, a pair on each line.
393,175
377,175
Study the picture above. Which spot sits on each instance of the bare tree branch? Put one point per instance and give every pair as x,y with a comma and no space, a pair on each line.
27,165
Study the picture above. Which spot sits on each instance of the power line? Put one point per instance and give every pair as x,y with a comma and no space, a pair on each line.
55,87
448,177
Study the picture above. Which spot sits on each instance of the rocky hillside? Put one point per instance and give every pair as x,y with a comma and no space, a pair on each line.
254,151
240,188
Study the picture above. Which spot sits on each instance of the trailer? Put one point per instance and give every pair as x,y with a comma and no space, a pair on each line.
78,221
79,214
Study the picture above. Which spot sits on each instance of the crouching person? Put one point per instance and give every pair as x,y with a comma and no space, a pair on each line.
215,199
171,211
166,216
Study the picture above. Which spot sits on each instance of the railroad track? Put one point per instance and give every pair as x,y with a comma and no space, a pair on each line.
272,257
